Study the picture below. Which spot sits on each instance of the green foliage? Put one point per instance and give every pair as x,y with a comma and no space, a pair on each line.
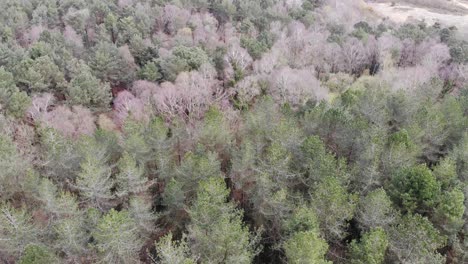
337,125
446,173
12,167
16,229
182,59
364,26
460,156
156,136
7,82
142,51
400,151
195,167
218,58
8,153
127,29
215,134
431,129
336,33
375,210
108,65
140,208
216,228
257,46
194,57
198,166
72,236
131,176
400,138
173,252
134,139
306,247
59,204
455,119
447,34
303,219
261,120
174,194
116,238
150,71
460,253
60,152
40,49
312,4
319,163
339,82
334,207
450,210
94,179
35,254
223,10
18,104
270,174
72,194
371,248
12,100
411,31
415,188
459,50
172,66
417,231
40,75
87,90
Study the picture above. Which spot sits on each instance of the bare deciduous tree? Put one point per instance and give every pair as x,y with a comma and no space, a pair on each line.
190,96
296,87
73,122
126,105
174,18
355,57
73,37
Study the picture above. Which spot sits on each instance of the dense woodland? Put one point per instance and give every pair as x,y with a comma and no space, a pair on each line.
229,131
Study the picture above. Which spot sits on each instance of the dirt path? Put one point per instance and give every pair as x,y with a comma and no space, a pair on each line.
401,13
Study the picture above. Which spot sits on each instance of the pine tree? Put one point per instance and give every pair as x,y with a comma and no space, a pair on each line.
17,230
375,210
131,177
371,248
216,232
13,101
304,243
173,252
94,179
117,238
87,90
108,65
413,239
334,206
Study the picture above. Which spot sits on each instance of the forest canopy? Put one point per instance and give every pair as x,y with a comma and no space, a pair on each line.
228,131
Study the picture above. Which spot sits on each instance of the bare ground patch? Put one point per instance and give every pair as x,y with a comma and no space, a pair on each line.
401,13
453,7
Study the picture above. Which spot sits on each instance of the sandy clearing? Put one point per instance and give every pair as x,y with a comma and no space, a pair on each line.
403,13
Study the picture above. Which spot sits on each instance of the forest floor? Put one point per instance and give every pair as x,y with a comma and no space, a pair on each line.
453,13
